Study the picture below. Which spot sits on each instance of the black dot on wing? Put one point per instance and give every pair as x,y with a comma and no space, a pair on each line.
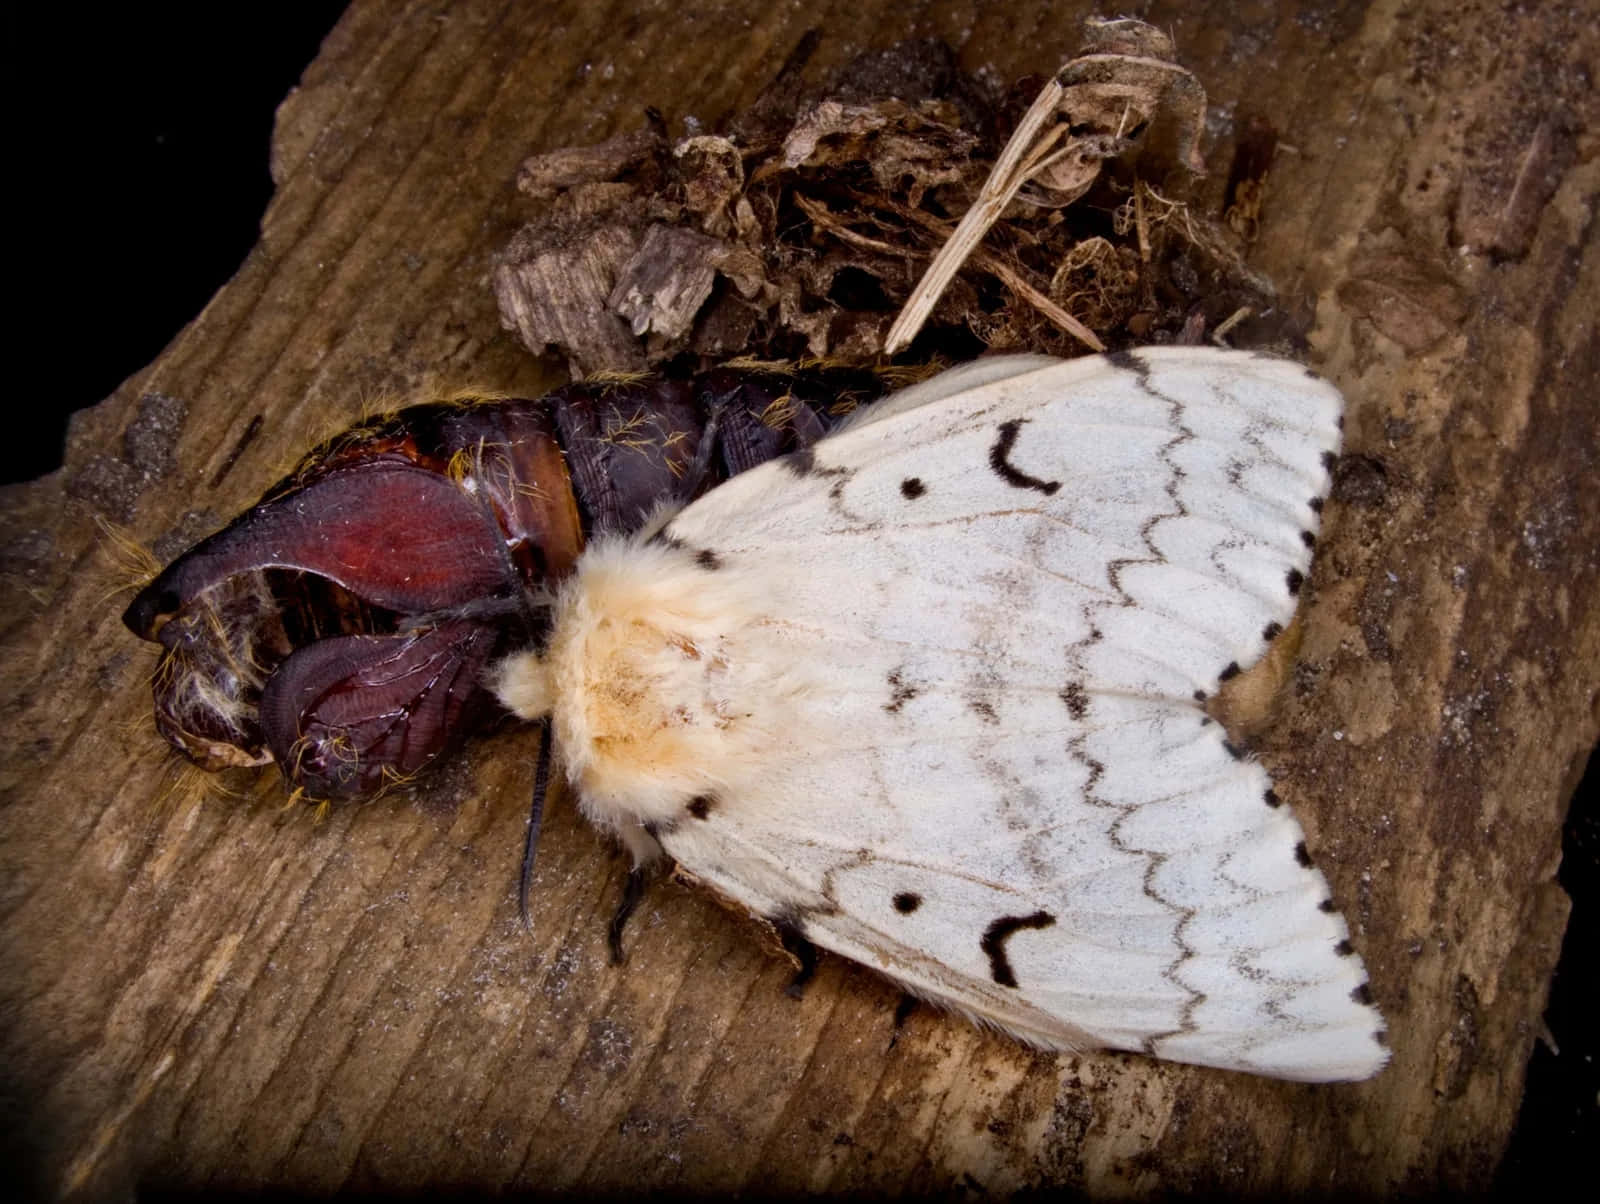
1327,906
1294,581
1316,504
1271,798
1308,539
1343,949
1302,854
998,933
1271,631
912,487
1362,995
1329,460
1381,1036
1200,695
701,805
1230,672
1232,750
907,902
707,559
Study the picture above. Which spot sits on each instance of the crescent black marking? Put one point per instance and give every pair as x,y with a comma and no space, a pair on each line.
994,941
1008,472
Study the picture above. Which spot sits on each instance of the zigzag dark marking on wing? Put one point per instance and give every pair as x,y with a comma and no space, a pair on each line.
1153,860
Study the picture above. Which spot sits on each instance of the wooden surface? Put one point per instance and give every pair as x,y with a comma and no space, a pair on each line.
204,993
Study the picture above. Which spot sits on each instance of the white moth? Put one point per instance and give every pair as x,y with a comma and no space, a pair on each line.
929,693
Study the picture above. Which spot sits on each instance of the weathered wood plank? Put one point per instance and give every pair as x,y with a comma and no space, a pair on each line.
211,992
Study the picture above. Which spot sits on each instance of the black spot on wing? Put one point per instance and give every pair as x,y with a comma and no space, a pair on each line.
1343,949
994,941
1316,504
907,902
1076,699
1232,750
1006,471
1308,539
708,560
1271,799
1302,854
983,709
912,487
1271,631
1362,995
702,805
1200,696
1294,581
1230,672
1327,906
1329,459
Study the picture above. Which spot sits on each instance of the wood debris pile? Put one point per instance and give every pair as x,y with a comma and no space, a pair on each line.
801,229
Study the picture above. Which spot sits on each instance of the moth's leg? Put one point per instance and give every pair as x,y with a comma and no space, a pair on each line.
902,1012
648,860
798,947
639,879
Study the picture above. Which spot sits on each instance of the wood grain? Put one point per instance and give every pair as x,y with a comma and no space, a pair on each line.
206,993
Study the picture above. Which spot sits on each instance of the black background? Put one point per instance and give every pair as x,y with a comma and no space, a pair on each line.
141,192
141,181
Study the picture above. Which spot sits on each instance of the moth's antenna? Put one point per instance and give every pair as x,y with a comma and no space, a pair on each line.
541,785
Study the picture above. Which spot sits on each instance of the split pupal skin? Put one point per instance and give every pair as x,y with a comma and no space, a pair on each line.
342,626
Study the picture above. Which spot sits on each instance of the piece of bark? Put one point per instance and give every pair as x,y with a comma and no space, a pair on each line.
208,993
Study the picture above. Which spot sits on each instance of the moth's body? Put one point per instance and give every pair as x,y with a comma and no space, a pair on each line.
930,693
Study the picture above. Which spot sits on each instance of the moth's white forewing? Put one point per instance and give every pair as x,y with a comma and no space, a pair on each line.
1001,790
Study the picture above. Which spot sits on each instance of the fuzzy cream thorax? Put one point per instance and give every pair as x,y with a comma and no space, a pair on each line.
663,681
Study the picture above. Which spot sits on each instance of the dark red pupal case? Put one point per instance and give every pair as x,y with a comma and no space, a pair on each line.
343,626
